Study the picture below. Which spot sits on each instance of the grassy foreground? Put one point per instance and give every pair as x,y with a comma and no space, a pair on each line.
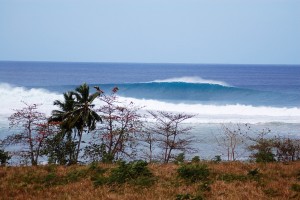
232,180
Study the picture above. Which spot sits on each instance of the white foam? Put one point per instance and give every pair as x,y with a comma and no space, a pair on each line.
11,98
191,79
14,97
224,113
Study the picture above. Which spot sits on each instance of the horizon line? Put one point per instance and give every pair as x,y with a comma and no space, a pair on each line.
170,63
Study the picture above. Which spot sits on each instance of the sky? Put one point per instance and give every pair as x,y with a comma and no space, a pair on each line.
151,31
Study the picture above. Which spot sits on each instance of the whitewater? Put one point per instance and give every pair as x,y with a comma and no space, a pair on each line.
263,96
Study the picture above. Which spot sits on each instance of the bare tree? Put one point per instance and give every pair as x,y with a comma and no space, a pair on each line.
232,136
32,129
170,133
148,144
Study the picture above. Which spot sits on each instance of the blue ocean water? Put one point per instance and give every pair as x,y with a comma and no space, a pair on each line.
257,85
263,95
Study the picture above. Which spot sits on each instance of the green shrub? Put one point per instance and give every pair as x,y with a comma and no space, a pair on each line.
193,172
95,169
271,192
296,187
217,159
136,173
179,158
196,159
232,177
50,179
76,175
254,172
263,156
4,157
50,168
205,187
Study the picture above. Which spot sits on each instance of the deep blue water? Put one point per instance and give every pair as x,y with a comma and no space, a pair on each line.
257,85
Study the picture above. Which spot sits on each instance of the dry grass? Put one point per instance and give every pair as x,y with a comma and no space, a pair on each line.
273,182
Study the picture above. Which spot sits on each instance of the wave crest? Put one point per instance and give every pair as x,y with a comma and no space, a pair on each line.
191,79
11,97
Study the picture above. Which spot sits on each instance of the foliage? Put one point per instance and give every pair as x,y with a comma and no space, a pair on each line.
229,177
76,116
264,156
97,152
32,130
296,187
217,159
287,149
254,172
263,148
135,172
60,149
179,158
205,186
271,192
116,136
4,157
193,172
196,159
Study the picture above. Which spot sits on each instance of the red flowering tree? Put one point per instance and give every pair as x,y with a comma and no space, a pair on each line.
30,129
115,137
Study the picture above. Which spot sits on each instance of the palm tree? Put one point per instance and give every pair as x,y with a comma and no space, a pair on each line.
76,114
64,116
83,115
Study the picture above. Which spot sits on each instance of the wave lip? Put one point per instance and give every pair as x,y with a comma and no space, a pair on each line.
191,79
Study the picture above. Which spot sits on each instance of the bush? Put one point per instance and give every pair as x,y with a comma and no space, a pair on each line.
263,147
136,173
232,177
179,158
271,192
296,187
76,175
205,187
263,156
196,159
4,157
193,172
217,159
254,172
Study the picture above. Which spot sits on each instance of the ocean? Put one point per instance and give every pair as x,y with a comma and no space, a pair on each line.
265,96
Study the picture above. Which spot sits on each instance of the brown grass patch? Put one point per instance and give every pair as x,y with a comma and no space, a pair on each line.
274,182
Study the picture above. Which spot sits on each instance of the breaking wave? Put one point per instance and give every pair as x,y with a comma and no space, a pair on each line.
11,98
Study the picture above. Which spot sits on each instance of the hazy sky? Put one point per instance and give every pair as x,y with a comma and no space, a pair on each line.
159,31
